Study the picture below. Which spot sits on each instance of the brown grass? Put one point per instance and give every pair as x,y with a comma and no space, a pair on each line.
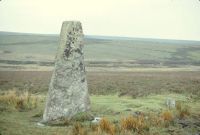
183,111
155,120
167,116
94,127
127,123
78,129
19,101
106,126
132,123
124,83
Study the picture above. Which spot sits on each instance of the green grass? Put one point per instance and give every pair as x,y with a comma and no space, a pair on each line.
195,55
127,50
20,123
115,104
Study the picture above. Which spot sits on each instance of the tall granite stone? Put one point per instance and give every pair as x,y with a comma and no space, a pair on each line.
68,91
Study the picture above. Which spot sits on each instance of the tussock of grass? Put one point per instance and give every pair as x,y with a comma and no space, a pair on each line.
78,129
106,126
135,124
167,116
183,111
18,101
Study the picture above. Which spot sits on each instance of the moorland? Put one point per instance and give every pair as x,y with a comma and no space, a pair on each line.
129,81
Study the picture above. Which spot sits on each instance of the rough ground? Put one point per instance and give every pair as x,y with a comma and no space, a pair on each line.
114,95
103,83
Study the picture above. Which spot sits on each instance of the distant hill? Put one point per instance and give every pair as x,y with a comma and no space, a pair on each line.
101,50
172,41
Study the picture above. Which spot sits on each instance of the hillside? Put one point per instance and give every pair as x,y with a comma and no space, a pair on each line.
100,51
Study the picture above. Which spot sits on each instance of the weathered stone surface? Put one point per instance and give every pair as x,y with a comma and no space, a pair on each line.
68,91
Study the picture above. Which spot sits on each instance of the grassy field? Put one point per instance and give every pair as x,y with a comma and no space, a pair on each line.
120,95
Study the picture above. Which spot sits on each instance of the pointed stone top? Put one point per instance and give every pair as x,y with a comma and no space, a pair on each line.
74,21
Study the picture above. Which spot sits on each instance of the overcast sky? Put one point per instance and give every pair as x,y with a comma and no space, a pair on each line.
171,19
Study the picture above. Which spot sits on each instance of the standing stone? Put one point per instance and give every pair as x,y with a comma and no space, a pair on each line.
68,91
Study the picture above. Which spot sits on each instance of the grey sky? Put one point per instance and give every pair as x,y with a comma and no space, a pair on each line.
172,19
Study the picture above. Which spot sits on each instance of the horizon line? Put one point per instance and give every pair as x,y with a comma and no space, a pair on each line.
103,36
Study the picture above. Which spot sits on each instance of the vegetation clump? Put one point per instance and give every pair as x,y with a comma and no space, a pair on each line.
18,101
78,129
182,110
132,123
83,116
167,116
106,126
